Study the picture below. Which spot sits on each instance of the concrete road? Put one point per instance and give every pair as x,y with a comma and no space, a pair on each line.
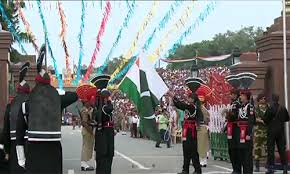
133,156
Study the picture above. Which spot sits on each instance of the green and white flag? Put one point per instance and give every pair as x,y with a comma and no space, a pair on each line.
144,87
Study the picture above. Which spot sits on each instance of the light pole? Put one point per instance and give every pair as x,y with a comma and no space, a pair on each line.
285,67
194,69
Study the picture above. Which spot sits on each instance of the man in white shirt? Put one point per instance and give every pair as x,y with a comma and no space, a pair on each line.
134,125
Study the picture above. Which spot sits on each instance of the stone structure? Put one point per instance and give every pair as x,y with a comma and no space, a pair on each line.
5,43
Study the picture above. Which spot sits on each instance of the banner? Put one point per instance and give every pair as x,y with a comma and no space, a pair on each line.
210,59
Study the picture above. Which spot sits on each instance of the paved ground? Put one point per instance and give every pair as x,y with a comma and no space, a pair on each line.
133,156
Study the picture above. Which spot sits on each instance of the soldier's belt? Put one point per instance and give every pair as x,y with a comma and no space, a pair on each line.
243,125
188,124
109,124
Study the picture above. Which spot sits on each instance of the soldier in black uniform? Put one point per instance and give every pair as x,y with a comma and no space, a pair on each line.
10,120
40,116
193,117
243,132
4,168
232,129
104,126
275,118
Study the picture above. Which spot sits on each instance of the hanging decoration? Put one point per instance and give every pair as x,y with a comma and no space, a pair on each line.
161,25
133,47
209,8
80,38
100,34
63,33
48,44
11,28
125,24
27,26
175,28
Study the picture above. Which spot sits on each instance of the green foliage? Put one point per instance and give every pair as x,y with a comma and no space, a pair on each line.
221,44
10,8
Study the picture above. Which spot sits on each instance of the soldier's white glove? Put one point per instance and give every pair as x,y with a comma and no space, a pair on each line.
20,156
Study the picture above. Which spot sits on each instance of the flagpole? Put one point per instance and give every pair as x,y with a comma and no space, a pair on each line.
285,68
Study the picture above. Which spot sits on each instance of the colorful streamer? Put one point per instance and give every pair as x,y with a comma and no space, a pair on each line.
176,27
161,25
209,8
100,34
63,33
48,43
133,47
125,24
11,28
80,36
27,27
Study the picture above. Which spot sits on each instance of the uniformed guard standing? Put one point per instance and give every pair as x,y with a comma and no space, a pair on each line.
246,123
40,116
260,138
192,120
10,120
232,129
275,118
104,123
202,131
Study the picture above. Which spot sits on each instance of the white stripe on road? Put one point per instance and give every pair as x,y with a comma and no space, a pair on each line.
140,166
224,168
70,171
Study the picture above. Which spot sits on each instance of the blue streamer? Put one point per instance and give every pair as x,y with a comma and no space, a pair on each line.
202,16
80,36
11,28
124,70
48,44
125,24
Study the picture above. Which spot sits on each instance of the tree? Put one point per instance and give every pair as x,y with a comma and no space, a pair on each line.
10,8
221,44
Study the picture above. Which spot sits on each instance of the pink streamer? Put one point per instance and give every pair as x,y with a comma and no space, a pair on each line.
98,44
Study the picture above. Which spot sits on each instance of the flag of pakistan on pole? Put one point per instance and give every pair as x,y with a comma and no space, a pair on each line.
144,87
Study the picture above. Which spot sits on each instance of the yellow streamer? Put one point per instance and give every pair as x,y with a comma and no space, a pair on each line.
176,27
133,47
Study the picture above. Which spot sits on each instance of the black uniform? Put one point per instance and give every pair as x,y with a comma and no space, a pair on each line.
42,120
3,162
275,118
104,137
189,144
245,147
234,138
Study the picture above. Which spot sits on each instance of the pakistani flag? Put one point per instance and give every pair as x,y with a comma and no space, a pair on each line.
144,87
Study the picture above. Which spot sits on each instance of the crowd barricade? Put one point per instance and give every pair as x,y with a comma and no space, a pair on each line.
218,138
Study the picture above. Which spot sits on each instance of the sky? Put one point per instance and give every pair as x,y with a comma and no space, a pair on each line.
228,15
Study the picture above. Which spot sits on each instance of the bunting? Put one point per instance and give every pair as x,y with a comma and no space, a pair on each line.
133,46
27,26
80,38
48,44
125,25
11,28
98,44
63,33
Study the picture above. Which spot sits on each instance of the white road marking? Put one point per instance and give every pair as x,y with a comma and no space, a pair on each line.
140,166
70,171
224,168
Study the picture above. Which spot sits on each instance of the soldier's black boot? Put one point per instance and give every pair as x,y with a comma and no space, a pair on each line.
183,172
257,166
285,169
270,170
